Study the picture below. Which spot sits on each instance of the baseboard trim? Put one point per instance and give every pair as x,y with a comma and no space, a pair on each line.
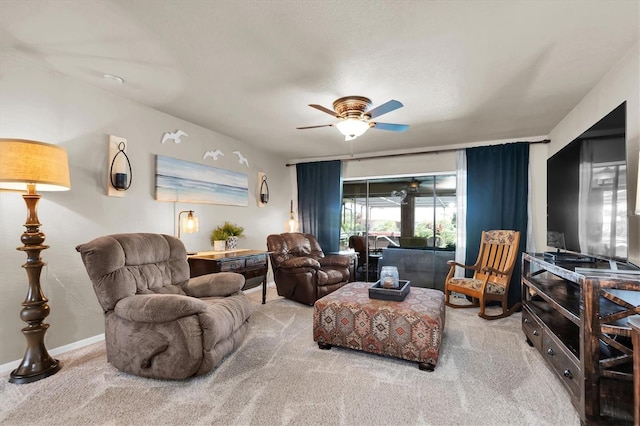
10,366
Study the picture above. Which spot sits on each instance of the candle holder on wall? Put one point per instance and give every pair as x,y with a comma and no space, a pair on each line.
120,172
263,189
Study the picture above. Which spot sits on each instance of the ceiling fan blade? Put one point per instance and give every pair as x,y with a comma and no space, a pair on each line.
392,127
323,109
384,108
314,127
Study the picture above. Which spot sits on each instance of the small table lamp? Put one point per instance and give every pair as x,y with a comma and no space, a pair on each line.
26,166
189,224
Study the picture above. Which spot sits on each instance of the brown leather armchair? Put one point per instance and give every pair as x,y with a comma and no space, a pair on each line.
301,270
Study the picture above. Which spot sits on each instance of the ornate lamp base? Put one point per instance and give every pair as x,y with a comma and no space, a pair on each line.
36,364
32,373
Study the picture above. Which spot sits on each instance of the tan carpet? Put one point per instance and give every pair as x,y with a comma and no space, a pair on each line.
487,375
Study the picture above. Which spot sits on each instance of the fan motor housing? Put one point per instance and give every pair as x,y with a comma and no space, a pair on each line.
352,106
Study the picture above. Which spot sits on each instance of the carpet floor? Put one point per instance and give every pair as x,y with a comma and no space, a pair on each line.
486,375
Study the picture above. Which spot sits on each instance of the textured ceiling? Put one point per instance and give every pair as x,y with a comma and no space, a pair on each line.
465,71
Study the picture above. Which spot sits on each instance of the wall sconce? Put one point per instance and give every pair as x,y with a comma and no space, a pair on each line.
292,223
26,166
189,224
263,189
118,178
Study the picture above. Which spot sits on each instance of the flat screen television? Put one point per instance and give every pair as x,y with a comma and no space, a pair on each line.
587,192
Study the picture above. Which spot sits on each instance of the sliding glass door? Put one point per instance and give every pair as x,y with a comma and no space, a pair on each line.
417,211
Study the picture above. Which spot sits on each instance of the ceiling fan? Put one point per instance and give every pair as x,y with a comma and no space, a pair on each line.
412,188
355,116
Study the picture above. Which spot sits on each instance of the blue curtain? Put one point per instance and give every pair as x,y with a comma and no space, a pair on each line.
497,197
319,201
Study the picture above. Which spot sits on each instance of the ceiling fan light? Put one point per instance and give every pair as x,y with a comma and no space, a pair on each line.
351,128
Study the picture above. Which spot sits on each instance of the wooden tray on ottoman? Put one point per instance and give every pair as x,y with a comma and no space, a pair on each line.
376,291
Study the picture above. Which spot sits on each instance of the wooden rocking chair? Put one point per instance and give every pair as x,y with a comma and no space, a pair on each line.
493,269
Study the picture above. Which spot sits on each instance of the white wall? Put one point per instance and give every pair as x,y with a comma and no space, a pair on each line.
622,83
538,188
41,104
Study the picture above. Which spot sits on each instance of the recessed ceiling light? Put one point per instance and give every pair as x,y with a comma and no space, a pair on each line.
114,78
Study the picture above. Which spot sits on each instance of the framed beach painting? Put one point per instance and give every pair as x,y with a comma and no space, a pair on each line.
187,182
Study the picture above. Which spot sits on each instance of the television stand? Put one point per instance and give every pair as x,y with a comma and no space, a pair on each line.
562,257
613,270
579,324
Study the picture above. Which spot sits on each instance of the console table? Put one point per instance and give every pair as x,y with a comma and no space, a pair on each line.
250,263
580,323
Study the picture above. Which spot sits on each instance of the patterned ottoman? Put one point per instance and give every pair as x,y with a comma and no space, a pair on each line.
411,329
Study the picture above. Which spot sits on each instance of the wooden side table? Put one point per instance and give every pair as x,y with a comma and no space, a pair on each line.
252,264
634,322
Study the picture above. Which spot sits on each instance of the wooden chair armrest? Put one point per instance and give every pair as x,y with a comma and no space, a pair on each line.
494,271
453,263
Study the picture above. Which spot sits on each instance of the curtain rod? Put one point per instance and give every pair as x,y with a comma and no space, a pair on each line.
439,151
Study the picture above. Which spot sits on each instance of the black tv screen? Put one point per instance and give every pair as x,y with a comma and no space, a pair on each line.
587,191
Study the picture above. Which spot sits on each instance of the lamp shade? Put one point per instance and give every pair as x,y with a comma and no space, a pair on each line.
190,223
292,223
24,162
351,128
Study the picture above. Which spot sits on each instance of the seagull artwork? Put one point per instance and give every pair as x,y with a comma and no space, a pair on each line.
174,136
213,154
241,158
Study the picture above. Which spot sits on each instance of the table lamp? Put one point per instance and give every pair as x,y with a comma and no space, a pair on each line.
188,224
26,166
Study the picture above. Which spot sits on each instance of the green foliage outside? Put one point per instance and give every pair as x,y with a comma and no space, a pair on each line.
444,229
385,225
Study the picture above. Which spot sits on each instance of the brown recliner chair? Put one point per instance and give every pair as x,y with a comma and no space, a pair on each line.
359,245
159,323
301,270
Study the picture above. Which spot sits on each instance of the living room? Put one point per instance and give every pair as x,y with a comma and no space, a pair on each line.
42,99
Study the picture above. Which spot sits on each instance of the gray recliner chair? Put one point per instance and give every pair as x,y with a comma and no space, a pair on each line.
159,323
